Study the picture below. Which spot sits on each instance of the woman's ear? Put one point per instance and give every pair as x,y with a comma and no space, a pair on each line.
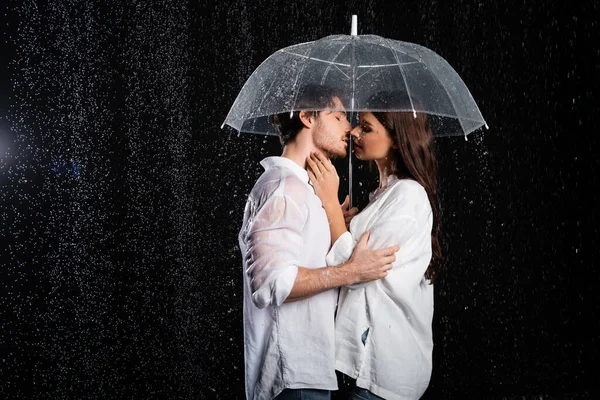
307,118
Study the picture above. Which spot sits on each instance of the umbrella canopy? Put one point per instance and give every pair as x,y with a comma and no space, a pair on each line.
367,73
356,68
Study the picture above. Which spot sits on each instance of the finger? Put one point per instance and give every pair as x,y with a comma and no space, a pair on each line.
353,211
393,249
318,164
388,260
325,162
311,175
364,239
315,169
321,160
388,251
346,203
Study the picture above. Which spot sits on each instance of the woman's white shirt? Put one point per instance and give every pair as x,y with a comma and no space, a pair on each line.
395,313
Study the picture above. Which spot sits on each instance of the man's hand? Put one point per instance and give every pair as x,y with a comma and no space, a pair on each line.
367,265
349,213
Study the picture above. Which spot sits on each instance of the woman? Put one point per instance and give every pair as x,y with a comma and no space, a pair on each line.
384,328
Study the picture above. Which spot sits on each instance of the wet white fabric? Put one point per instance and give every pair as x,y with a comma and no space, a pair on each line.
286,345
395,360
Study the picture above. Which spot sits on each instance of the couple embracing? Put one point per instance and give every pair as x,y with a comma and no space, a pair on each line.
328,288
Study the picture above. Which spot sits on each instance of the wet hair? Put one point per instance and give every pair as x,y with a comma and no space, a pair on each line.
311,98
417,157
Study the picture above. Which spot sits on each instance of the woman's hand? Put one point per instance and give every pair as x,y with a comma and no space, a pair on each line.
349,213
324,179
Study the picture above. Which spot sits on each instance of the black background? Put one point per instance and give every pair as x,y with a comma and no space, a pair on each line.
121,196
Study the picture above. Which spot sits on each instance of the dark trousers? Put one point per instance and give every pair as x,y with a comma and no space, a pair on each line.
349,391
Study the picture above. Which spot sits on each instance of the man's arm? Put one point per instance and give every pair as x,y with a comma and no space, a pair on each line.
275,241
364,265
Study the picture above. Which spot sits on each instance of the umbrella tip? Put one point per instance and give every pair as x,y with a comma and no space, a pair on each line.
486,126
222,125
354,30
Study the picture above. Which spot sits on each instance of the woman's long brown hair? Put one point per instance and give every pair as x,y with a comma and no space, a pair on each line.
417,160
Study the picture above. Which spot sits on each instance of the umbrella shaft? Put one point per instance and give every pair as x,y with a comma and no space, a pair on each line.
350,170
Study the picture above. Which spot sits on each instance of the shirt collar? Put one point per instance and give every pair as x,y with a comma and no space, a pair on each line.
377,192
277,161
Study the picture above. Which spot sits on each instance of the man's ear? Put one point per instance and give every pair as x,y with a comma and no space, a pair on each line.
307,118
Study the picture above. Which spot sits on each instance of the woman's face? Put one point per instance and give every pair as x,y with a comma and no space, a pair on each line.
371,140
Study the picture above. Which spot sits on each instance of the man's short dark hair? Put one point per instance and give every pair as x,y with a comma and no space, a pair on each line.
313,99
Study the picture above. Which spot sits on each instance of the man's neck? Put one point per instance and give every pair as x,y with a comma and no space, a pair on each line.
299,150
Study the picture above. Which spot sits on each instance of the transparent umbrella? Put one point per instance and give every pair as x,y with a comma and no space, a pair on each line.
357,68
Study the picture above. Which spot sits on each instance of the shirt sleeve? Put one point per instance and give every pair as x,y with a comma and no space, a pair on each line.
341,250
274,242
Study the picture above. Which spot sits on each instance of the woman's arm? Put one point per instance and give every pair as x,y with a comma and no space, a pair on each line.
325,181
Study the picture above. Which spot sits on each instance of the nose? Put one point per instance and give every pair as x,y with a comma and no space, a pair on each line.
348,126
356,133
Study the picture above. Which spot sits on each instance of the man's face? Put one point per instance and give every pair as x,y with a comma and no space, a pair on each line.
332,131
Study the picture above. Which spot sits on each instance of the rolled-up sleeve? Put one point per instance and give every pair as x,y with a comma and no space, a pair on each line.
274,241
341,250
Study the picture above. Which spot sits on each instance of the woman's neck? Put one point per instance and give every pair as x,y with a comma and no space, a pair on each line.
386,167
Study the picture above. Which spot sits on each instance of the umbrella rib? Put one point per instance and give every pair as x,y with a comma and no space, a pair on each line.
327,71
243,87
386,65
312,48
364,73
342,72
403,76
460,119
315,59
335,66
369,68
265,95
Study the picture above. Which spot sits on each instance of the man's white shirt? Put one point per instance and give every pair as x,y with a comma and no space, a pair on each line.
286,345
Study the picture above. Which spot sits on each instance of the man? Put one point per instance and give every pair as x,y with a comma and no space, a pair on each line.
289,294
